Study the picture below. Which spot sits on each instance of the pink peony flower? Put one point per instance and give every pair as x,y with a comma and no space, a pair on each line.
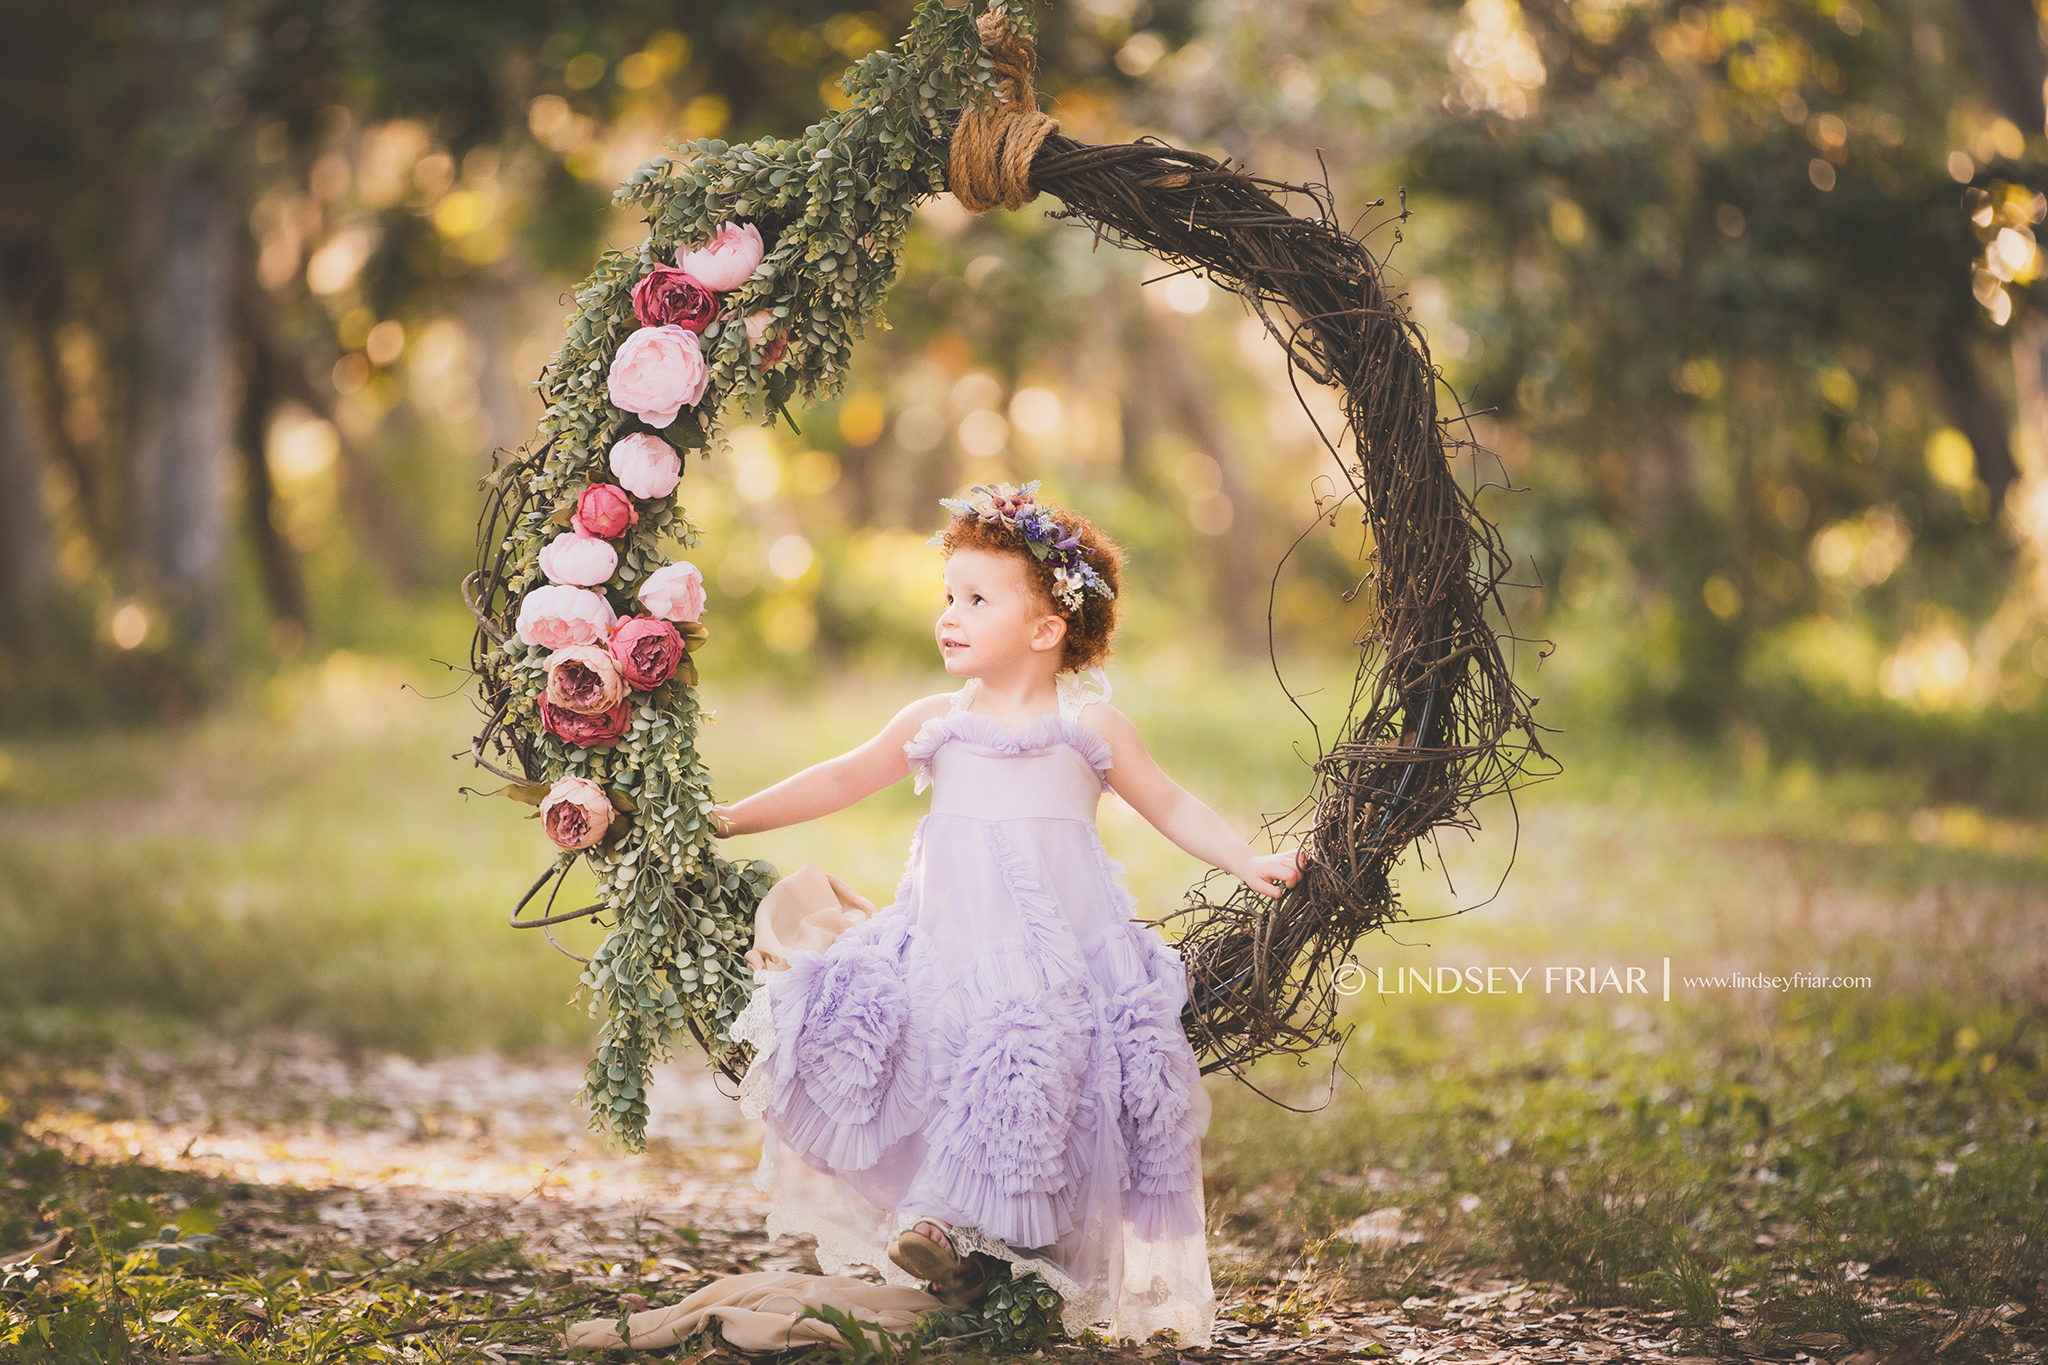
724,262
647,650
668,297
573,557
556,617
600,731
657,373
674,592
583,679
646,466
604,510
575,812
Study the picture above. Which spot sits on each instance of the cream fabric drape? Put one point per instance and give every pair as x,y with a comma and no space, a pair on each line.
758,1312
805,910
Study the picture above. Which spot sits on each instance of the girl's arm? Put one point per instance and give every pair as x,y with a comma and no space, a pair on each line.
1178,814
834,784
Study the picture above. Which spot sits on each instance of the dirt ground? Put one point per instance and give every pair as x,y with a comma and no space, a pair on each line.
390,1155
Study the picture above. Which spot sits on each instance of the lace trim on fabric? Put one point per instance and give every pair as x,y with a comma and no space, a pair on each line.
1074,694
1080,1307
756,1025
1083,1309
840,1248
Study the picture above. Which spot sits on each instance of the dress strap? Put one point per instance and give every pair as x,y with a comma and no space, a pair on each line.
1073,695
964,698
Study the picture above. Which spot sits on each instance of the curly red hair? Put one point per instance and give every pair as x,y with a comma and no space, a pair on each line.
1089,626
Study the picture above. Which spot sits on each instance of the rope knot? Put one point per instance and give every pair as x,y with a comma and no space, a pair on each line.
994,143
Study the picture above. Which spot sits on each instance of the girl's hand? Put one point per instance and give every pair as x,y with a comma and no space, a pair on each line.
1269,873
721,821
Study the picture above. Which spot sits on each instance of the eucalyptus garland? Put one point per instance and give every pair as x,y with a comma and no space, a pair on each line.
763,264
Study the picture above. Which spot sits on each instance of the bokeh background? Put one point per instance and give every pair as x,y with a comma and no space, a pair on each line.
1739,296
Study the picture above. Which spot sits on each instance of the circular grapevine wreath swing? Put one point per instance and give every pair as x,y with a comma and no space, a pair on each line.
609,751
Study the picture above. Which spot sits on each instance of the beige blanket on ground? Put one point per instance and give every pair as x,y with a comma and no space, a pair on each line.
758,1312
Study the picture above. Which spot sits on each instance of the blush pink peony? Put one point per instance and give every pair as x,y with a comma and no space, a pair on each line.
646,466
585,679
556,617
574,558
576,812
674,592
657,373
603,510
724,262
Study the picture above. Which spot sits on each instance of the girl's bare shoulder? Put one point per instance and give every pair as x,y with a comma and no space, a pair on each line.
913,716
1113,725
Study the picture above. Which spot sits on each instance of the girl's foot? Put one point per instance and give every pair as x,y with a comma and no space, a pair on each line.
926,1251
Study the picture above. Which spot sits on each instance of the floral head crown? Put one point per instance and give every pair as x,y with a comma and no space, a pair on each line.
1048,541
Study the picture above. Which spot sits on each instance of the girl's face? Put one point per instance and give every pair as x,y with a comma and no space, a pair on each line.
993,621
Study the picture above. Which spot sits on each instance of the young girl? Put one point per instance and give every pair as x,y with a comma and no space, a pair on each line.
995,1062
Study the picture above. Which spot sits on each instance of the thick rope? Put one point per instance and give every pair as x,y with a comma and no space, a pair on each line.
993,144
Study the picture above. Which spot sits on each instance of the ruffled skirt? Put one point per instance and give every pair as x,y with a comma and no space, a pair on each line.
1000,1048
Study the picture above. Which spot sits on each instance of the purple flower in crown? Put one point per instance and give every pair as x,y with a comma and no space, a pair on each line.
1072,575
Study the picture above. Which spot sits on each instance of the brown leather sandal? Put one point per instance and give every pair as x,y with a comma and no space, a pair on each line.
927,1255
955,1281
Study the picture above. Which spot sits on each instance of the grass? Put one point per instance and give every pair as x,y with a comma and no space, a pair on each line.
1756,1164
310,862
1753,1165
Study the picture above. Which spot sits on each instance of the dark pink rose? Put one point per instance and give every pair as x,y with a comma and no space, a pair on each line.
668,297
603,511
647,650
600,731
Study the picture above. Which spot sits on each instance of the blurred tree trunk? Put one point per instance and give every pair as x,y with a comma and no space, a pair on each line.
43,313
938,476
2005,36
362,491
1977,412
1242,574
1664,490
262,389
1749,432
2030,380
24,532
177,515
1139,410
490,313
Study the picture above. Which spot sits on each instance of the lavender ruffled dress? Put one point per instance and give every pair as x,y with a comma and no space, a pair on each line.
1001,1047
